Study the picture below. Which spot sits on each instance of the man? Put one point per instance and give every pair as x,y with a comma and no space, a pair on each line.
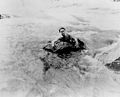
65,38
65,44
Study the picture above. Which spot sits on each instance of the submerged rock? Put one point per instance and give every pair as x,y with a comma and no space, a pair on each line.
63,55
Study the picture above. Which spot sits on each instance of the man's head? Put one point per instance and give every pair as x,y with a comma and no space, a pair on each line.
62,30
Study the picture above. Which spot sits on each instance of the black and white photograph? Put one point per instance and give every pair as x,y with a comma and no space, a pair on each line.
59,48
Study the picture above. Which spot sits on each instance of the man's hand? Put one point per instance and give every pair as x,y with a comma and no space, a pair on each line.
76,42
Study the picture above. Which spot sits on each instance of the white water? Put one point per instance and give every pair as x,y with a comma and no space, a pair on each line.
47,16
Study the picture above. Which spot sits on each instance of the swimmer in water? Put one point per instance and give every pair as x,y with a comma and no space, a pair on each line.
66,38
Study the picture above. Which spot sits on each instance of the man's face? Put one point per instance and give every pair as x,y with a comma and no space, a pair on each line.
62,30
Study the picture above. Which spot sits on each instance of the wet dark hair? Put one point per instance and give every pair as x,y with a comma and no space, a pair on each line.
62,29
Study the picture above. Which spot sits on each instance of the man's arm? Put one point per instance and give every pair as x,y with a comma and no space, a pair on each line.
55,39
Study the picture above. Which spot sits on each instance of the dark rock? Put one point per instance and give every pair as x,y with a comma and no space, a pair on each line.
115,65
64,49
2,16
